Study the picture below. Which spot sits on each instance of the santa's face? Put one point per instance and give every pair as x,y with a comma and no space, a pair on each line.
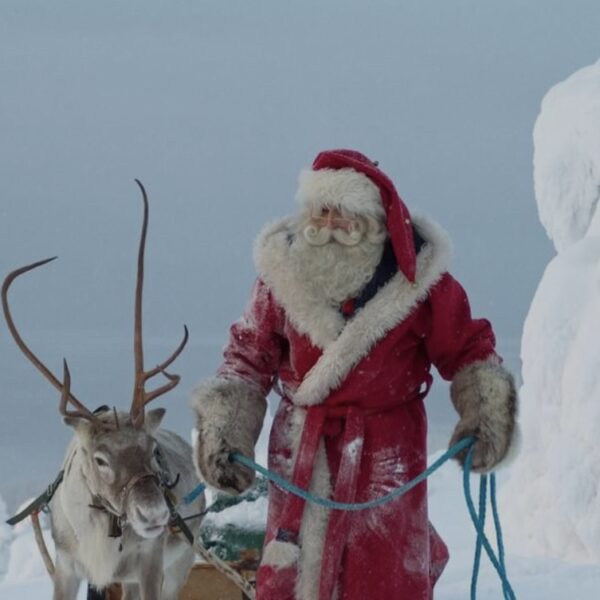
336,253
332,218
327,224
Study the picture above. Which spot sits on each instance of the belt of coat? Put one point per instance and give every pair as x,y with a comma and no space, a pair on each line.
348,421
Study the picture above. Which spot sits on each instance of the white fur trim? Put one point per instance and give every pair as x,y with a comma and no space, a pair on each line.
313,530
315,518
345,344
346,188
280,554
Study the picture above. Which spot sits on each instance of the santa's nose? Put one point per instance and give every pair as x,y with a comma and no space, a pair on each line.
334,218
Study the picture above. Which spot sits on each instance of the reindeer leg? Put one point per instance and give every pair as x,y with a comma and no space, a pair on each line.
171,589
176,575
66,581
151,585
130,591
151,574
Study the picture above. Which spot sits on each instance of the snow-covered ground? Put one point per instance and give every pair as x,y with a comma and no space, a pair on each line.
532,578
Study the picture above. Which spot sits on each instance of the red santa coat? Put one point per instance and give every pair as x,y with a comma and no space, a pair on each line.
352,424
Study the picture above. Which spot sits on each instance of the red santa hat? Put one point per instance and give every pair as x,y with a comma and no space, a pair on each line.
348,179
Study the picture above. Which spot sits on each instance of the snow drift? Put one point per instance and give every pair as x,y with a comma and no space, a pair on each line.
551,497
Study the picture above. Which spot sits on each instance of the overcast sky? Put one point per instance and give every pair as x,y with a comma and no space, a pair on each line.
216,106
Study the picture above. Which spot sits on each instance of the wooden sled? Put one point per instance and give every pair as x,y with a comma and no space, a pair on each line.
207,583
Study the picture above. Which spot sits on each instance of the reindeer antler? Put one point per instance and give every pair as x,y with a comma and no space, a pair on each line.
64,389
67,398
140,396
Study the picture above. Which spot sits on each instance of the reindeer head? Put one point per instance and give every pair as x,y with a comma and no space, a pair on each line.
123,466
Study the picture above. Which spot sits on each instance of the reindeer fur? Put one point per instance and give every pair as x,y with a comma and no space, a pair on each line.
150,568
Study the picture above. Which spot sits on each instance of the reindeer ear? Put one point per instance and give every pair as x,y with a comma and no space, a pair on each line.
153,419
80,425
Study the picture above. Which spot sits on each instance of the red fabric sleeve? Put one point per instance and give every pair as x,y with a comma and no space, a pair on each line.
455,339
256,343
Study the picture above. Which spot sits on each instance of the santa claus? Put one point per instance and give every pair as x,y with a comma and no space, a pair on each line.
352,306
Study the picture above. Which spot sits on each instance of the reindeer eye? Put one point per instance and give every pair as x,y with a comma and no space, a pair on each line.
100,461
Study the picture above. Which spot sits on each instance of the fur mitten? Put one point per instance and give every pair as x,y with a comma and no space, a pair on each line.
485,397
229,414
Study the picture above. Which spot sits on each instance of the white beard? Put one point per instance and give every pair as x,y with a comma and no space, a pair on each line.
334,272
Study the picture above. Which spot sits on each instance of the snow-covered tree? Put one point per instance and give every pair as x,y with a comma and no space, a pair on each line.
551,496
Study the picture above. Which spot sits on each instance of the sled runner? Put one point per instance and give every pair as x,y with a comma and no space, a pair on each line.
205,582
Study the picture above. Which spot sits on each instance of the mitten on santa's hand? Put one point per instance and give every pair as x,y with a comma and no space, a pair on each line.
229,415
485,397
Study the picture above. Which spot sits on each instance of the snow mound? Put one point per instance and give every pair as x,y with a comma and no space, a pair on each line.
251,516
554,486
567,157
24,561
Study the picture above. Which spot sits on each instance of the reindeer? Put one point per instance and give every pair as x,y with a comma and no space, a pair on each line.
110,516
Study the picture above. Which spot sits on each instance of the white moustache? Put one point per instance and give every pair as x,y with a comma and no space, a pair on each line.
319,236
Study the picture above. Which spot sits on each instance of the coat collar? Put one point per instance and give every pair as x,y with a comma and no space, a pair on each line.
343,343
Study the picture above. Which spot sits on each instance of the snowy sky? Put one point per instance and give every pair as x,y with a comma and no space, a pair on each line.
216,106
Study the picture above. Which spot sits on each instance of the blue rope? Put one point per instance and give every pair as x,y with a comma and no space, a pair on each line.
478,518
479,523
290,487
478,542
496,516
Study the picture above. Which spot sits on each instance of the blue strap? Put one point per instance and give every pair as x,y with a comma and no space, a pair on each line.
479,523
294,489
290,487
189,498
478,543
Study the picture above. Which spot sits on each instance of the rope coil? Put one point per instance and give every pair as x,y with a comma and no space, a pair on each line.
478,518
